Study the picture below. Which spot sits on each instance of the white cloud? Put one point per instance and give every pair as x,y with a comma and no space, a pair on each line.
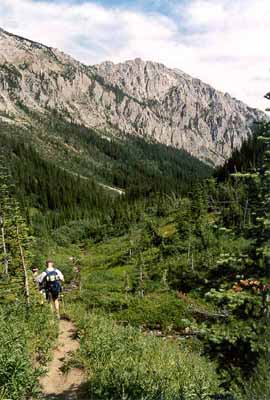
204,13
232,47
224,42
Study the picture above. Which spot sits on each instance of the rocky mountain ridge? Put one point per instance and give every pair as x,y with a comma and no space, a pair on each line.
134,98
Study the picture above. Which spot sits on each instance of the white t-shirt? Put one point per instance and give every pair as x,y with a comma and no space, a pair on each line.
40,277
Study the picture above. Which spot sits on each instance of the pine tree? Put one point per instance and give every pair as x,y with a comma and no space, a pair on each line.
5,214
16,243
245,332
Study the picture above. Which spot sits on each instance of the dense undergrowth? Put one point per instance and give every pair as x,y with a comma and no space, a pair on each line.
26,337
123,363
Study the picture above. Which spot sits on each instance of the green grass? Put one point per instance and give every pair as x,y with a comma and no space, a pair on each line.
156,310
108,283
124,364
112,300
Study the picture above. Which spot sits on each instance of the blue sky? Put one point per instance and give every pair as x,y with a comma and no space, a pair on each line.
223,42
163,6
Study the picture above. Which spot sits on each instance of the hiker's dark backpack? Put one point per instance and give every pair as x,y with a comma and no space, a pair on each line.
52,282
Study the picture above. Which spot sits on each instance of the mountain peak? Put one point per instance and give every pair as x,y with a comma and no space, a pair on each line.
144,80
134,97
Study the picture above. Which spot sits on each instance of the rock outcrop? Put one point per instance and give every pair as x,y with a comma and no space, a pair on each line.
134,97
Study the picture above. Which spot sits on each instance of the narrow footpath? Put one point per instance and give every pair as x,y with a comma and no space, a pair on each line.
56,385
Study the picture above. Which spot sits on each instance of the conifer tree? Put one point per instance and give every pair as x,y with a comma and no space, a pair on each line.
5,215
242,340
15,239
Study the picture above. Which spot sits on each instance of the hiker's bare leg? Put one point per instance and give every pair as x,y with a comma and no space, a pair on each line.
57,308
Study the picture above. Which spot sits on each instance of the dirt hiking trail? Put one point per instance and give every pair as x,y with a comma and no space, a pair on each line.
56,385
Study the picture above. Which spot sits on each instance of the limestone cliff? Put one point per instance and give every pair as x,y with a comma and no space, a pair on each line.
134,97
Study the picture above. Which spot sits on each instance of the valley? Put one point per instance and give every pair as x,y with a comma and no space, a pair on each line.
149,191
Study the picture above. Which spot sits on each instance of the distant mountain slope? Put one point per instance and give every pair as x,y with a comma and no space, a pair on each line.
48,194
137,98
77,153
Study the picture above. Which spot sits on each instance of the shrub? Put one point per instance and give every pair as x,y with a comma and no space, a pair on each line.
124,364
17,376
24,337
258,387
156,310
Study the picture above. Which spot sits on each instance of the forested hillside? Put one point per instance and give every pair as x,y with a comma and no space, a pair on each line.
48,194
60,169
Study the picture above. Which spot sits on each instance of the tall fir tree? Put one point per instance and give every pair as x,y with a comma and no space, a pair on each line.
16,243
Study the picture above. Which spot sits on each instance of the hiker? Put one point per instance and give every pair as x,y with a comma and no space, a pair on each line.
52,279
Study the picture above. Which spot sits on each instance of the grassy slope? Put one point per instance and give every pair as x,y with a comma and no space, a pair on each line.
117,330
110,289
108,268
110,278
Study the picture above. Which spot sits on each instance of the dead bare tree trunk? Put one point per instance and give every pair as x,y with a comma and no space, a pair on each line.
188,255
245,213
141,278
26,282
4,245
192,263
